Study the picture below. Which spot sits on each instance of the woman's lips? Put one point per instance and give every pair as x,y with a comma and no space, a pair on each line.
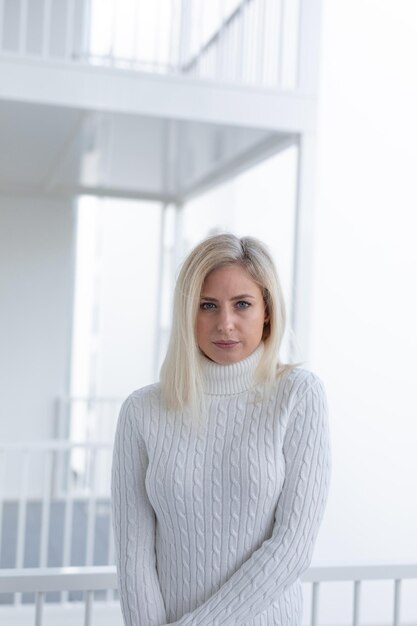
225,345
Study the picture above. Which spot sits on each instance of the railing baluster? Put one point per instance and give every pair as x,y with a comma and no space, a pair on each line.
252,43
397,601
40,597
2,474
69,30
156,39
261,41
88,608
21,521
46,31
68,517
356,601
23,26
239,43
91,516
46,507
315,604
281,43
136,33
86,45
1,22
111,594
113,32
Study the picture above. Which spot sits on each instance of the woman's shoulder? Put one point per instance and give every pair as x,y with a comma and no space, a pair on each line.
144,395
138,406
295,382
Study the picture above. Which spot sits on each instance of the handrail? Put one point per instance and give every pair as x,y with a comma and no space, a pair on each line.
91,579
215,37
32,579
333,573
54,444
104,577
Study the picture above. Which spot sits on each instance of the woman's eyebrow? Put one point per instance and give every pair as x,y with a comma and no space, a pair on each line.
244,295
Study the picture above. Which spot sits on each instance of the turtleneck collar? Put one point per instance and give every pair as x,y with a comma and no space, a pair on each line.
231,378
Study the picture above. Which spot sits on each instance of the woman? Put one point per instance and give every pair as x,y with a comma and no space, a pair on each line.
220,471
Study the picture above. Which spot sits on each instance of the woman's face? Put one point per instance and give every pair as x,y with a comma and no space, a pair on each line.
231,315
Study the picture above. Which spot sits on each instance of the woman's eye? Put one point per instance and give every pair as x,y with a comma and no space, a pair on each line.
207,306
242,304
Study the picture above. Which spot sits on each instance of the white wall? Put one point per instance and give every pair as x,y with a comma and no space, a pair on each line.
365,297
36,287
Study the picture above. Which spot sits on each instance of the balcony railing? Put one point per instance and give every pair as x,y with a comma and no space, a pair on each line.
61,518
237,41
103,579
55,504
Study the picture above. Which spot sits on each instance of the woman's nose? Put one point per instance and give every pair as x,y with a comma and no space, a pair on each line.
225,320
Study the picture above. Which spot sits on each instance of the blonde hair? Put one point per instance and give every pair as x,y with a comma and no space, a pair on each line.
181,375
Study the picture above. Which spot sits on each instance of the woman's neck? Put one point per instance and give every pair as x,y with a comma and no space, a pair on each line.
231,378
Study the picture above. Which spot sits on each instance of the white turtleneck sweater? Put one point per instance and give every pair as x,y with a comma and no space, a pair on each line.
214,527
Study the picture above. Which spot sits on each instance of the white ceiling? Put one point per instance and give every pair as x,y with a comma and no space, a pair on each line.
57,150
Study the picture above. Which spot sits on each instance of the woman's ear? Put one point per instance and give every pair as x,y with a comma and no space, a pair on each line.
267,328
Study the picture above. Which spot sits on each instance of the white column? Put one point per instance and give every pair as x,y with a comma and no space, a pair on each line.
307,83
303,248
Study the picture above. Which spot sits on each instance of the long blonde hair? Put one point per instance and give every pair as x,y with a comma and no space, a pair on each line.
181,375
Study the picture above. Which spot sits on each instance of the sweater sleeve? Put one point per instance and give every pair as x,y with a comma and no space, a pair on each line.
134,526
282,558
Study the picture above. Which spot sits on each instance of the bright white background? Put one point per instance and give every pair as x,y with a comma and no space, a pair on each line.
365,287
364,309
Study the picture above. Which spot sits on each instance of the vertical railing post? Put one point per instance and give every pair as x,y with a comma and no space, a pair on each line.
356,602
69,30
110,594
308,46
2,475
281,40
21,520
315,604
184,32
88,608
1,23
397,602
91,507
86,30
68,517
262,13
46,28
39,602
46,507
23,26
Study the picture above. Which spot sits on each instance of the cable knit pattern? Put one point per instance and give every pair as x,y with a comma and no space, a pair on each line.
213,527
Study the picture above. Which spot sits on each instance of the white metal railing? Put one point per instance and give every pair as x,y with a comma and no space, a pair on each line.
240,41
358,575
42,581
69,508
90,580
